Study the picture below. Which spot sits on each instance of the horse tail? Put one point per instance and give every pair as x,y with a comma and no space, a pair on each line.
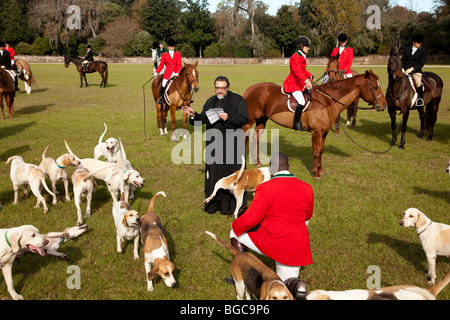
33,80
106,75
429,115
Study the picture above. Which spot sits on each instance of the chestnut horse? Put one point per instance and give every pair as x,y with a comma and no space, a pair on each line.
400,93
178,93
334,74
94,66
7,91
266,101
25,74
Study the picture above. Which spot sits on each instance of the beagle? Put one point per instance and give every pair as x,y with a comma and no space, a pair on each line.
252,277
156,248
23,174
401,292
239,182
127,224
434,237
110,149
55,170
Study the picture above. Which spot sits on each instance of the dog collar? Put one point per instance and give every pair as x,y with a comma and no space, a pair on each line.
419,233
59,165
62,240
6,238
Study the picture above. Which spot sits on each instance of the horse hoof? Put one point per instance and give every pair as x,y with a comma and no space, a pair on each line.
318,178
401,147
430,139
337,133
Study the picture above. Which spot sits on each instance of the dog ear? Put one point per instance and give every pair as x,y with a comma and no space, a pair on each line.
14,239
67,161
152,273
420,222
124,220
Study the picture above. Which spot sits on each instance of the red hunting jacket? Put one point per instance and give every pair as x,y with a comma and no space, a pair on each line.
172,64
295,81
11,52
281,206
345,58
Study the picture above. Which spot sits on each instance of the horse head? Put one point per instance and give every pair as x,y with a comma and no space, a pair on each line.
154,55
333,68
372,93
67,61
395,65
192,75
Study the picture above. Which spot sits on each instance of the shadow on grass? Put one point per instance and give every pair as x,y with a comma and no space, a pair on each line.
15,129
438,194
411,252
14,152
34,109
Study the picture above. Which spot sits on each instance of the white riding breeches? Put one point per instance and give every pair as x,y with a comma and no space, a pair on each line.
298,95
283,271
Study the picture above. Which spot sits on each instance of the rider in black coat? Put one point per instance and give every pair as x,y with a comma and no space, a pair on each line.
413,60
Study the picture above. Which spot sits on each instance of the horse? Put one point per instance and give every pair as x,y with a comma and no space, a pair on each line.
334,74
178,93
7,91
400,93
25,74
94,66
266,101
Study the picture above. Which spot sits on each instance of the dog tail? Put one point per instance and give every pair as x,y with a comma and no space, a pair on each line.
46,187
150,207
124,155
103,134
227,246
93,173
70,151
241,171
434,290
43,153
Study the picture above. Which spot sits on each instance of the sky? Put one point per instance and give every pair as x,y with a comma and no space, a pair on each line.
274,5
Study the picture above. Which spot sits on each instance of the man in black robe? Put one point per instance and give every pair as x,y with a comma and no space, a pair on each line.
225,141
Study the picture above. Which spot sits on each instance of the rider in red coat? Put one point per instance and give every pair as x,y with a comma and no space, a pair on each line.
280,208
171,59
299,79
345,55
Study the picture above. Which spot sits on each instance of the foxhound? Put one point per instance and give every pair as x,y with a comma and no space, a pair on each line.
23,174
157,259
55,170
434,237
26,237
110,149
127,224
252,277
239,182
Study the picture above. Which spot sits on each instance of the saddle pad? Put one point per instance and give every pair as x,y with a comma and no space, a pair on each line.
11,73
293,106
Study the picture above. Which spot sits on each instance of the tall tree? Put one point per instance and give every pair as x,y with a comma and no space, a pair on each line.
286,27
159,17
198,25
14,21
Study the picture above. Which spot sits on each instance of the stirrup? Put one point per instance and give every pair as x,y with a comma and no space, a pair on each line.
160,100
419,102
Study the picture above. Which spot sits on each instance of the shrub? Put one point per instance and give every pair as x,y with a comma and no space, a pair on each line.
41,46
212,51
23,48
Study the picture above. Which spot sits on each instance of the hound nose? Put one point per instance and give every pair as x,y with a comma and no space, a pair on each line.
401,223
138,220
174,284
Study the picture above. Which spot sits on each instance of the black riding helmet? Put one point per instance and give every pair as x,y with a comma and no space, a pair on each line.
303,41
171,43
342,37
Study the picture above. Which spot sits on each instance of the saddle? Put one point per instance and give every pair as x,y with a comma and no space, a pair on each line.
292,103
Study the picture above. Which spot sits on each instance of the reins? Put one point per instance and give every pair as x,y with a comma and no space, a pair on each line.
351,139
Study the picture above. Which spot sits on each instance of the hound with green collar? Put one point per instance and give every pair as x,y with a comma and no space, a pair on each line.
55,170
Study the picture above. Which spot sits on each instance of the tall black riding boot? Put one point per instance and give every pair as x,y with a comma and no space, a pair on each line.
86,68
161,94
298,118
297,287
16,84
419,102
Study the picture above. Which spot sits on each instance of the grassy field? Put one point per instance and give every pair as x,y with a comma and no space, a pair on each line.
358,203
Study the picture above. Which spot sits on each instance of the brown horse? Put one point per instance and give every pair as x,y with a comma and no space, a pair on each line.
400,93
25,74
334,74
266,101
7,91
178,94
94,66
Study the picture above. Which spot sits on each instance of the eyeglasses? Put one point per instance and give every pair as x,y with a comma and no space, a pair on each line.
221,88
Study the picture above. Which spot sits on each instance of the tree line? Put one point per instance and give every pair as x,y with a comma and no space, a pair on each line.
238,28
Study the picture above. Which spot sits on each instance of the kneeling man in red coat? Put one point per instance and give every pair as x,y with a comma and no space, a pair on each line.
280,211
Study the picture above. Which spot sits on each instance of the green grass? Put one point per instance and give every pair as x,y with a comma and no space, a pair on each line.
358,203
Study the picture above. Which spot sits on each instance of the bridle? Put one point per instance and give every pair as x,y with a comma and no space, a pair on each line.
188,96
